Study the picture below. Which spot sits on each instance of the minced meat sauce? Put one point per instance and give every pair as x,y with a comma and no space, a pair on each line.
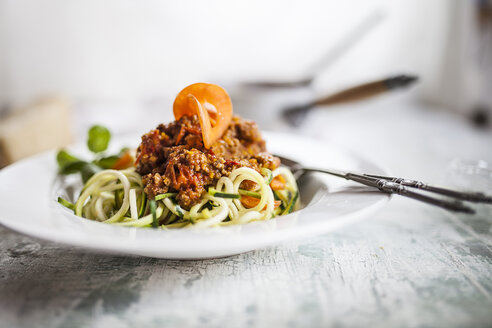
172,158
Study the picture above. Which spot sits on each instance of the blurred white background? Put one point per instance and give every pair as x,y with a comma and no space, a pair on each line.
132,51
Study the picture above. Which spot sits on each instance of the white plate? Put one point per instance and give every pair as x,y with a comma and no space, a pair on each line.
29,189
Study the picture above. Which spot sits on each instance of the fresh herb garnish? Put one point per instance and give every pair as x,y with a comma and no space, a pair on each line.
97,141
63,158
107,162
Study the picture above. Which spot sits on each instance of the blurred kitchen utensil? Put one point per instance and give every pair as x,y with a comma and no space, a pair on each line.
340,48
295,115
263,100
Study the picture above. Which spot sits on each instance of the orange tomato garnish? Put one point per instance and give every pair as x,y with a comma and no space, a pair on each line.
211,103
250,202
125,161
278,183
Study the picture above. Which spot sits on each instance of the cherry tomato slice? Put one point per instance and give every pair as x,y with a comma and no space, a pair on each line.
125,161
211,103
250,202
278,183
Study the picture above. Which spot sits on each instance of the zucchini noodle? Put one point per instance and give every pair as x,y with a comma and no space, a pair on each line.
117,197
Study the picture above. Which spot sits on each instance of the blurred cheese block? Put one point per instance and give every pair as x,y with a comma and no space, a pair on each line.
43,125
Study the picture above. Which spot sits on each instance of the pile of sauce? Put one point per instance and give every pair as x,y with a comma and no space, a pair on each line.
172,158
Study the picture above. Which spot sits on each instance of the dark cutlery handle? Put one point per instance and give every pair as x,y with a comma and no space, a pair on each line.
476,197
396,188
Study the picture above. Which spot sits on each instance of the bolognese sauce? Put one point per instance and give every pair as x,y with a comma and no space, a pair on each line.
173,158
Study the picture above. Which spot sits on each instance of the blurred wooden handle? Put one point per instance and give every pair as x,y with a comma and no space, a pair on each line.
366,90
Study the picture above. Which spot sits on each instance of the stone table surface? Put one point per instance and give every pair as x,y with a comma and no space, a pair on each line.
407,265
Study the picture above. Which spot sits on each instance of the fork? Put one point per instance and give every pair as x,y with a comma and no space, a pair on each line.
400,186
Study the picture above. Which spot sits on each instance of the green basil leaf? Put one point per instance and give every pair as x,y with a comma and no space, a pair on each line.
73,167
88,171
98,138
63,158
106,162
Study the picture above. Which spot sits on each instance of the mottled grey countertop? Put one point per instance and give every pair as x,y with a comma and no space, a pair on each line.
408,265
